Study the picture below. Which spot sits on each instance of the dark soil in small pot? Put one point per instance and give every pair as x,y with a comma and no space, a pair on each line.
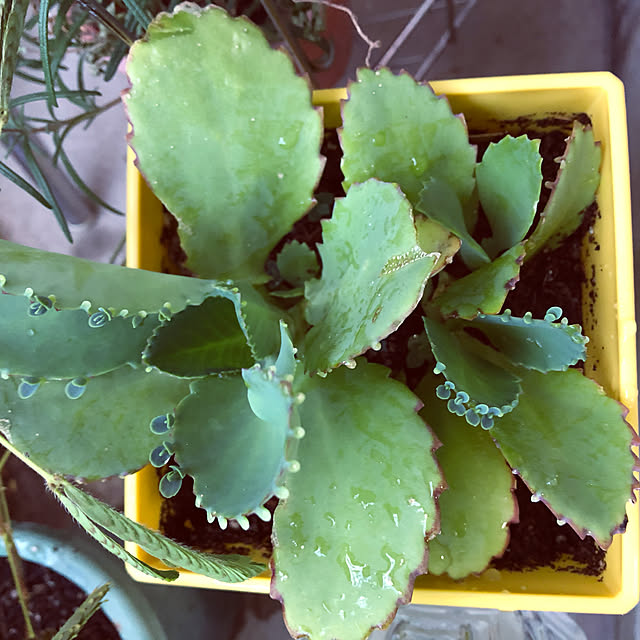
551,278
52,600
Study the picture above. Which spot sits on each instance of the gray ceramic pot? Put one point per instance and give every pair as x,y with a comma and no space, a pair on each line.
87,565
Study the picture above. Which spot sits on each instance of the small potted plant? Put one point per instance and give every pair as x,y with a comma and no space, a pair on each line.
329,379
46,576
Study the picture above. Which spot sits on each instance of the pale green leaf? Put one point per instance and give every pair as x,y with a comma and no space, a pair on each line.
373,275
62,344
72,281
297,263
570,443
79,618
233,202
483,290
236,459
509,180
397,130
111,545
478,503
103,432
351,536
438,201
574,190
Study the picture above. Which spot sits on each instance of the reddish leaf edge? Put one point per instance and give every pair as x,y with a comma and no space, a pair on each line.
634,485
421,569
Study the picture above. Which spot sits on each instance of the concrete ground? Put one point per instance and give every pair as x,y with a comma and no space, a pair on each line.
498,37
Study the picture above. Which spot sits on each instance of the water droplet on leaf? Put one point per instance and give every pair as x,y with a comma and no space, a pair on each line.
294,466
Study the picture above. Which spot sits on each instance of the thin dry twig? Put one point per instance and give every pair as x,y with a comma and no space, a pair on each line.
15,563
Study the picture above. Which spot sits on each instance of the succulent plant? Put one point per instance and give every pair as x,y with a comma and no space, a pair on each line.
256,393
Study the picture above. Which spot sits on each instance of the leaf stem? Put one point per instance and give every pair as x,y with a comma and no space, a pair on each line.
59,124
15,563
82,614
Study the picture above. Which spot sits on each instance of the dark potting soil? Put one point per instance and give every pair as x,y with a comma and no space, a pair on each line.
538,541
182,521
52,600
549,279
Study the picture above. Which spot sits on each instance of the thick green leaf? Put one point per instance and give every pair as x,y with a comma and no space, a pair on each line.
234,202
574,190
103,432
351,536
544,345
297,263
226,568
62,344
285,364
397,130
200,340
236,459
478,503
72,281
373,275
483,290
480,377
570,443
509,180
438,201
260,320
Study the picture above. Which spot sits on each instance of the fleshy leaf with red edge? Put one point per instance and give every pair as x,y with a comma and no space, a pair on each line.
398,130
373,275
478,502
237,156
350,538
439,201
236,437
572,446
297,263
483,290
509,180
574,190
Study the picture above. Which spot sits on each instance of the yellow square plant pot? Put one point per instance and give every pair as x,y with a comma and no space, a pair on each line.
612,348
